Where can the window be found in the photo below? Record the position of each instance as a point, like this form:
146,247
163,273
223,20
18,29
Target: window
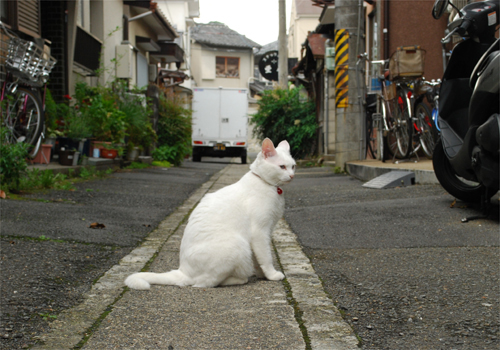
227,67
23,16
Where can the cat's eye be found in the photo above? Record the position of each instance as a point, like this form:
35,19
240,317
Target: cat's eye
293,167
282,166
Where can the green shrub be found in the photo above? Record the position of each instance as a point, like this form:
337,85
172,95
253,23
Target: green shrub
174,130
137,165
12,161
283,116
163,163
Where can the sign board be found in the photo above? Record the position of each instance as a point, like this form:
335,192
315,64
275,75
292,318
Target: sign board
268,65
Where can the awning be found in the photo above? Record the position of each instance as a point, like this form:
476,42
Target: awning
146,44
175,75
317,44
156,21
170,52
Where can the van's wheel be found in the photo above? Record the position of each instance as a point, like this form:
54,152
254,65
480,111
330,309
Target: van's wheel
196,156
458,187
244,157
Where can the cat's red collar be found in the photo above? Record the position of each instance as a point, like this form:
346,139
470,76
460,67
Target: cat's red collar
278,189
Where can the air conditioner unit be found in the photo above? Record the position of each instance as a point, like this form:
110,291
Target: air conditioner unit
124,61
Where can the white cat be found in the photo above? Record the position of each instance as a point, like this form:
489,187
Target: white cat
228,235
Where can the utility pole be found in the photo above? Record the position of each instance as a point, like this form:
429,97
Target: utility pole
349,110
282,49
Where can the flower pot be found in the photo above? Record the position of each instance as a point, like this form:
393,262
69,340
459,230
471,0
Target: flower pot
75,158
43,155
133,154
96,145
52,142
84,147
66,157
109,153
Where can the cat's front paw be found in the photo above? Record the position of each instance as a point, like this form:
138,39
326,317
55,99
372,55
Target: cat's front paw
275,276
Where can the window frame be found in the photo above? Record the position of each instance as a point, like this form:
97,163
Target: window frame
226,75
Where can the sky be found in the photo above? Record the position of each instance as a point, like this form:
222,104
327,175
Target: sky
258,20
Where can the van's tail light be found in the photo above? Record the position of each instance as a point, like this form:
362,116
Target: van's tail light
240,143
198,142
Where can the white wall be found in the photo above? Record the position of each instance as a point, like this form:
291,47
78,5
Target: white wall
113,35
203,67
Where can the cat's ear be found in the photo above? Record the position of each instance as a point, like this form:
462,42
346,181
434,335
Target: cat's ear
268,149
284,145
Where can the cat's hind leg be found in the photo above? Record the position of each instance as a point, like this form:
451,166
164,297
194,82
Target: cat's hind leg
258,270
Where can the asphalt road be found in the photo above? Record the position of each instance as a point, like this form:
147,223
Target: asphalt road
400,265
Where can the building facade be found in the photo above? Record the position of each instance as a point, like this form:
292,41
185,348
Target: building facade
220,56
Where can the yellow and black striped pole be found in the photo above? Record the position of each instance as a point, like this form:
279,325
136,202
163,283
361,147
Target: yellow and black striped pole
341,68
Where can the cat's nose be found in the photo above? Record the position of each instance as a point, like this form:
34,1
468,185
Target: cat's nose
291,177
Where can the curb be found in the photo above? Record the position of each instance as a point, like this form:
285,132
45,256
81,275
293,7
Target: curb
325,326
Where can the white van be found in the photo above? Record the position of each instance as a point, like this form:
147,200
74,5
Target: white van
220,117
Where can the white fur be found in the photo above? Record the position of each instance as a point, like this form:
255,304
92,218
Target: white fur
228,236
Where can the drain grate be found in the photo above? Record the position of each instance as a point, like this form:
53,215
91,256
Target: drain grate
392,179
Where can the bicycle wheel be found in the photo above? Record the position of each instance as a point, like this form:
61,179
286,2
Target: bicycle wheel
424,127
381,130
22,115
404,126
391,126
371,136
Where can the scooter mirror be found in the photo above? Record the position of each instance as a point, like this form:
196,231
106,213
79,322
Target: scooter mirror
438,9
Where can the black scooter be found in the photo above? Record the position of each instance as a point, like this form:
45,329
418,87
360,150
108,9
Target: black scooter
466,159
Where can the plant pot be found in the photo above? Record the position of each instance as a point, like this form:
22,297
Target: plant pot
84,147
75,158
52,142
96,144
66,157
133,154
109,153
43,155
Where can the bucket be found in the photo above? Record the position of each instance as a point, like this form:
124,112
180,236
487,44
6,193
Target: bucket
66,157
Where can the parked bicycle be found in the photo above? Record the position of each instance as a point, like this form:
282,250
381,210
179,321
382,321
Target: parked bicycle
392,125
22,95
425,95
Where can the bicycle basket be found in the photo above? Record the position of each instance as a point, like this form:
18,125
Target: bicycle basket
28,62
407,61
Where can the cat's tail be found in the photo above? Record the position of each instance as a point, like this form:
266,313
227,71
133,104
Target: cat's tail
143,280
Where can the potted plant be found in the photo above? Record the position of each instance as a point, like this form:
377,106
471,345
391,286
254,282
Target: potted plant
66,156
98,106
140,133
110,151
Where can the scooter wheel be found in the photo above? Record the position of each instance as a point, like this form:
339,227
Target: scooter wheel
455,185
